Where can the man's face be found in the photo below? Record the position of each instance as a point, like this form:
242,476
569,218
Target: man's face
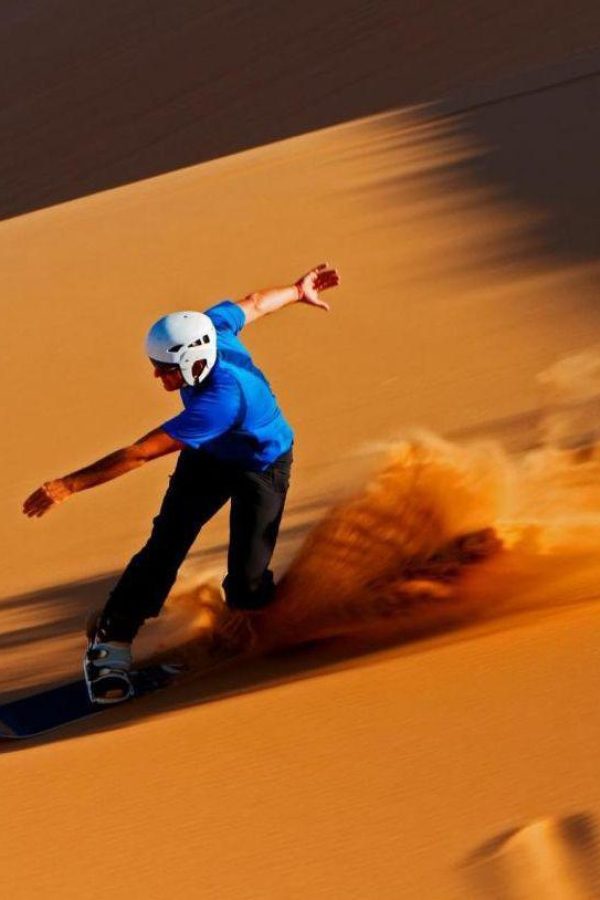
170,376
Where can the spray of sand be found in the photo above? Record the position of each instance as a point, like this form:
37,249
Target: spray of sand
443,534
396,547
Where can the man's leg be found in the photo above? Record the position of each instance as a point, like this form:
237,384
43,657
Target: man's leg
257,504
198,488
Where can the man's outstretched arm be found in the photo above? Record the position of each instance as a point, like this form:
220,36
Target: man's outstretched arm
305,290
151,446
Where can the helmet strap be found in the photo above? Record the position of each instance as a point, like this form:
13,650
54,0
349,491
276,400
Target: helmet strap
198,368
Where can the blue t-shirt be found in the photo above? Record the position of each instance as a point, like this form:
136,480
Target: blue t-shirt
233,413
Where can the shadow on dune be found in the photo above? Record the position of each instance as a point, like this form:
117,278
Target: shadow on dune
124,90
43,635
63,608
557,856
541,151
531,146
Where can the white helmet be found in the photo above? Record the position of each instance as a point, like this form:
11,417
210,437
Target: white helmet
182,339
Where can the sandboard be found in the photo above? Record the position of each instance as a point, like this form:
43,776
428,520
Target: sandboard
50,709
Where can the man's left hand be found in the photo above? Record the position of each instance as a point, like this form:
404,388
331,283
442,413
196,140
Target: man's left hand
321,278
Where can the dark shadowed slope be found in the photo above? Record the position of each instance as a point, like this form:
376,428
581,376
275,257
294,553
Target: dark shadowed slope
98,95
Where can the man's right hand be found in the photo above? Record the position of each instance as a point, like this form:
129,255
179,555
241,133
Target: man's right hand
48,495
153,445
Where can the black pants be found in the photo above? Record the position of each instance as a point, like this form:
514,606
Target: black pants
198,488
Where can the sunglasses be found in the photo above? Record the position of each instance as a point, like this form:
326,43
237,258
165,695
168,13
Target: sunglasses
164,367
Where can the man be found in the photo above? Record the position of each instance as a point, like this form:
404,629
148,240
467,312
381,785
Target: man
234,445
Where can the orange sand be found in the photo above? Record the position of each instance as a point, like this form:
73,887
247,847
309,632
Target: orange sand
464,234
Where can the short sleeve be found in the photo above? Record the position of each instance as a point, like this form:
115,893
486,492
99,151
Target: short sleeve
227,316
202,422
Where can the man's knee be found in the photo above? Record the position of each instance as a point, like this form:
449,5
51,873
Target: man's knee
248,594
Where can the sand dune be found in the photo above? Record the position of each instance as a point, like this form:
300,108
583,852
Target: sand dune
116,92
463,221
415,236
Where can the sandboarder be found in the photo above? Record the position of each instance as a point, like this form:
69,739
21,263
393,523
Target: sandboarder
234,444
